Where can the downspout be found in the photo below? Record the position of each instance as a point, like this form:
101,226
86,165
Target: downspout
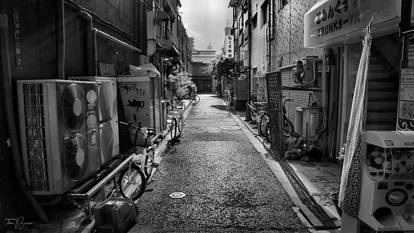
10,114
91,53
60,10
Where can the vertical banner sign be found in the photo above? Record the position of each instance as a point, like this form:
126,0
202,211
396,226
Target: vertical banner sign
229,52
405,118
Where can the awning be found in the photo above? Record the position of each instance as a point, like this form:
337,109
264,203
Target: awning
144,70
167,48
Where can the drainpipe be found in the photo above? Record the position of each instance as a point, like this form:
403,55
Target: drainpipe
91,54
10,114
60,10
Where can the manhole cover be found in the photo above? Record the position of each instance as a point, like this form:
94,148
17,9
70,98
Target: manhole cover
177,195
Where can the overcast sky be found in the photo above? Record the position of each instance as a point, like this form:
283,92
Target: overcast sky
205,20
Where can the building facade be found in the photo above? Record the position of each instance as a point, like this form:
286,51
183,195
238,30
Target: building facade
201,75
60,39
317,60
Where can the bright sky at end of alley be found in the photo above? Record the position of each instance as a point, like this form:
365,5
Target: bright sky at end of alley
205,20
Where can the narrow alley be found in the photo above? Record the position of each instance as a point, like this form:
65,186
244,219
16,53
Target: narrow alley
145,116
228,186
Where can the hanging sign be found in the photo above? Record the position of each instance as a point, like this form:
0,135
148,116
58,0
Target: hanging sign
229,46
333,21
405,118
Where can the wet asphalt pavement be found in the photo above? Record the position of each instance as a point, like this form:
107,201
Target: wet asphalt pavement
228,186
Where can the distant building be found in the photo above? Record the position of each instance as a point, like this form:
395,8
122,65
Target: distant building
191,43
201,64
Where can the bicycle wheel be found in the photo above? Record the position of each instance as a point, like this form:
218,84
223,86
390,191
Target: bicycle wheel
288,126
173,128
132,182
178,128
264,120
149,162
196,99
269,136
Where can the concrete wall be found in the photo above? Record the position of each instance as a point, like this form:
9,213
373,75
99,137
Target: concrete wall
33,47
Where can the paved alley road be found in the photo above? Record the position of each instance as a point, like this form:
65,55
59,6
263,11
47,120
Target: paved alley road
228,186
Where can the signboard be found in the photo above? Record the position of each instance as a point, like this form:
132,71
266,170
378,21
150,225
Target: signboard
333,21
229,47
405,118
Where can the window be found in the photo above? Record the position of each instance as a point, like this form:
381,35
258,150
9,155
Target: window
264,12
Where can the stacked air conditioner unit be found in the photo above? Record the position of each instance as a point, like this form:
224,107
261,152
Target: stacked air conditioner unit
59,133
108,116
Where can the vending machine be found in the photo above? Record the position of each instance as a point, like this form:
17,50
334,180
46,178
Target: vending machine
387,181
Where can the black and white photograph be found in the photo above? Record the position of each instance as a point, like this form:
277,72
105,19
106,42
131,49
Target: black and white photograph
206,116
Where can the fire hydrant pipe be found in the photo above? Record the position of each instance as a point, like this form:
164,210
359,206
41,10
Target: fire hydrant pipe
10,114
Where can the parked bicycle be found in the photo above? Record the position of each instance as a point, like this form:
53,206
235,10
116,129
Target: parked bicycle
194,97
227,98
265,127
288,128
287,124
176,123
134,178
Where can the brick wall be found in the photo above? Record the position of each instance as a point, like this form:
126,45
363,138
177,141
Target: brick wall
288,43
287,48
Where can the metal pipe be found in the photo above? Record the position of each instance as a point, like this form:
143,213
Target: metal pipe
98,186
60,10
89,43
92,44
98,19
116,40
10,115
94,55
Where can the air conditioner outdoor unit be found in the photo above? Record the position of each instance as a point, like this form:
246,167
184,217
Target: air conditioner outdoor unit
59,133
108,116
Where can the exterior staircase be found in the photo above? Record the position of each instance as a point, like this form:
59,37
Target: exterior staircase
383,79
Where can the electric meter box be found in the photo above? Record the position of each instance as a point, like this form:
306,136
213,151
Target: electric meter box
140,97
387,180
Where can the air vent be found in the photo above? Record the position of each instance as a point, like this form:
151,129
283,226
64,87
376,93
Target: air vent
36,136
